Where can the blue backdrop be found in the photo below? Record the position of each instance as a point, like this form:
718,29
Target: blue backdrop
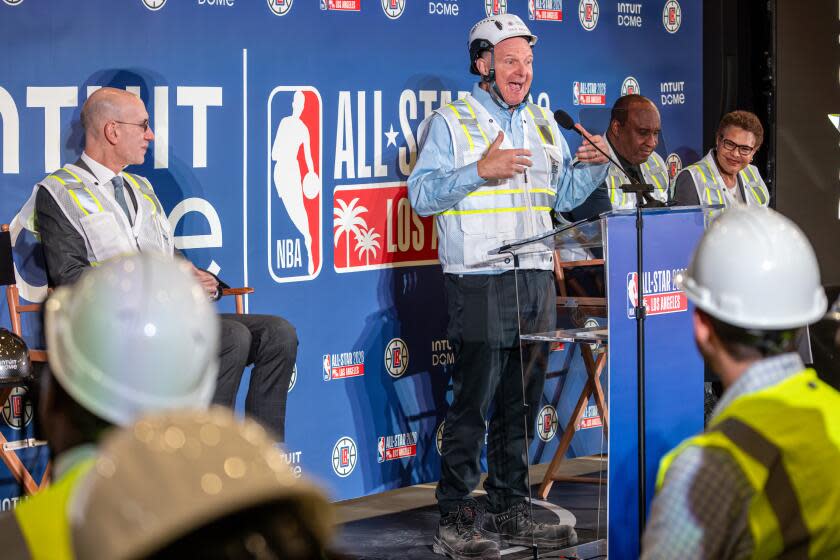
348,263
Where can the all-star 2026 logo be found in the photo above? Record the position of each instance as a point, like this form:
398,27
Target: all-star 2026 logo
397,446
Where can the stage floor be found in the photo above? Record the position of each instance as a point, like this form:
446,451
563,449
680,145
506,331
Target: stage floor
402,523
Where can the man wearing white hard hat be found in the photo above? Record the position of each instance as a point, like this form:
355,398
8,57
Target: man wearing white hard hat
491,168
761,481
132,336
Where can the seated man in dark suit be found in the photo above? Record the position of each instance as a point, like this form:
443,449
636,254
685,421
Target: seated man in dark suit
632,136
92,210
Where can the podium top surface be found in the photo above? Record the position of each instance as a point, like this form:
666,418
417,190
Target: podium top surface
583,234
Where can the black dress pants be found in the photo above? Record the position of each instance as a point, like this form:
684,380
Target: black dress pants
484,334
268,342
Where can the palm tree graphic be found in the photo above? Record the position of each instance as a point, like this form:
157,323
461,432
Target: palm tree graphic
366,242
347,221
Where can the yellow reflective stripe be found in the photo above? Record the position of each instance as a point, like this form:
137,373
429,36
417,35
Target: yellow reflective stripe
755,194
480,130
752,172
466,132
550,131
702,175
71,174
708,193
147,197
59,179
494,211
534,117
612,190
658,184
720,196
96,200
78,202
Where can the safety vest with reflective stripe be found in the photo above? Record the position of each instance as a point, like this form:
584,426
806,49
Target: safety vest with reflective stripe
43,519
710,186
654,173
101,222
786,441
501,210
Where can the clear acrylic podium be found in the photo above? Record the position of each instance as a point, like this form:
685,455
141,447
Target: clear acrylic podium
594,263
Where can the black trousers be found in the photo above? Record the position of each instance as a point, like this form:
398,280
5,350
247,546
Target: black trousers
484,334
268,342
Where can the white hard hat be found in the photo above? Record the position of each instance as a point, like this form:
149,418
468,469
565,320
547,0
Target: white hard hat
754,268
134,335
491,31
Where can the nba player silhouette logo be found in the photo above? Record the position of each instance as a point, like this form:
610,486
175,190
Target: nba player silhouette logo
295,188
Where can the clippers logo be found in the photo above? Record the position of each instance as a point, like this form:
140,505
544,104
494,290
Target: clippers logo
280,7
375,227
674,165
672,16
590,418
547,423
396,357
18,2
662,296
630,86
17,411
344,456
439,438
347,364
294,190
399,446
393,8
153,5
293,380
588,14
545,10
495,7
342,5
589,93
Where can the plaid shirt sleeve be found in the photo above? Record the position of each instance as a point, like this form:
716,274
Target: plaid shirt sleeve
701,510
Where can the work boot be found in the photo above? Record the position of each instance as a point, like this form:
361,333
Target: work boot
458,535
515,527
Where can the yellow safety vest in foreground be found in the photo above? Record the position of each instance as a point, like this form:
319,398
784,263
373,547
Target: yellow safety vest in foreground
43,517
786,440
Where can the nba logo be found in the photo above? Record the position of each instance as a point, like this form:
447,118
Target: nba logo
632,294
294,186
380,447
327,368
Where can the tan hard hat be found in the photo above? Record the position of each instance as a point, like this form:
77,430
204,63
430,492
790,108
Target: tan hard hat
173,473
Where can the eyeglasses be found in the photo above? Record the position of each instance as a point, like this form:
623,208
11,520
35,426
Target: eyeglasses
144,125
731,146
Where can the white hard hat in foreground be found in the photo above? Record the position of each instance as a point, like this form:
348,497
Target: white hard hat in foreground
754,268
134,335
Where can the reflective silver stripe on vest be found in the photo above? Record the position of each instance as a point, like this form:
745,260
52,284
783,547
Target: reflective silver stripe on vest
542,125
781,495
753,185
469,123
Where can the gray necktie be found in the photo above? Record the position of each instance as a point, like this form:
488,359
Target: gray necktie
119,194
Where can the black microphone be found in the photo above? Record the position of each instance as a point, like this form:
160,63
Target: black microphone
564,120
